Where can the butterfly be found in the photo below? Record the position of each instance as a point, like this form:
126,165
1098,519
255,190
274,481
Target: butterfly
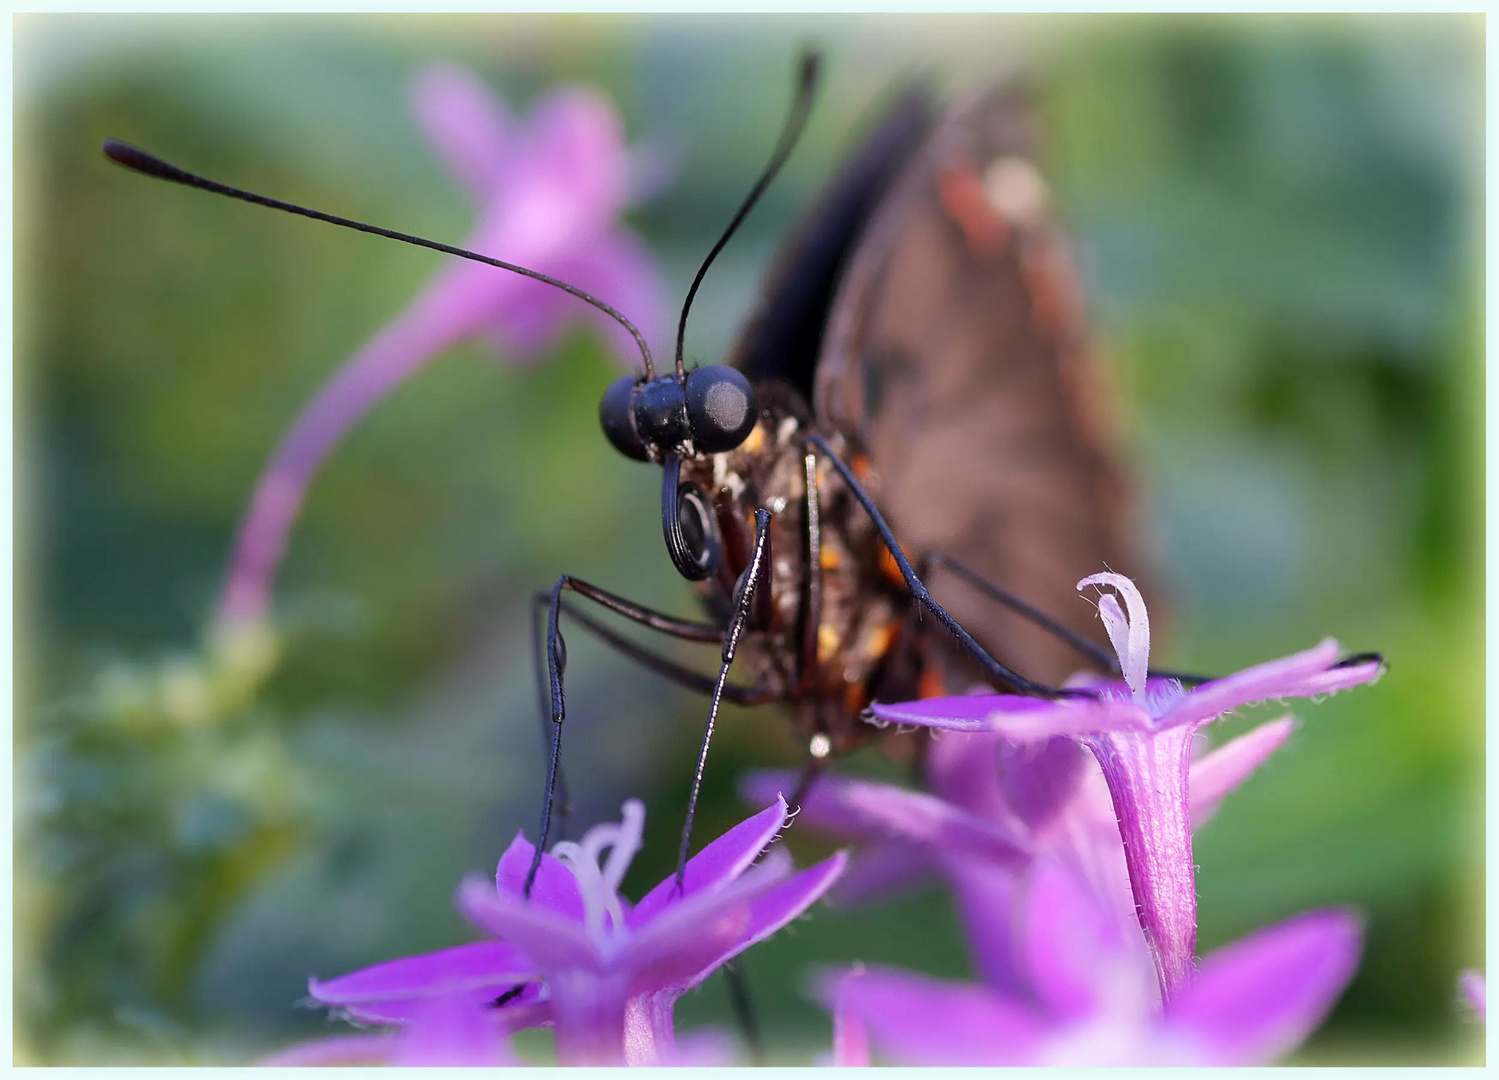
913,399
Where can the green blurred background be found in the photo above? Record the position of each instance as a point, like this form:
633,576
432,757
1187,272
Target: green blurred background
1278,224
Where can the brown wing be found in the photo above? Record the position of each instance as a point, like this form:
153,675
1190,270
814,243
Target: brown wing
783,338
955,357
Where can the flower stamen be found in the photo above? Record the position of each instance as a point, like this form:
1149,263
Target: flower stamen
599,885
1129,634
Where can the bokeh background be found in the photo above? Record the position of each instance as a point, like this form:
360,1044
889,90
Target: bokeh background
1278,225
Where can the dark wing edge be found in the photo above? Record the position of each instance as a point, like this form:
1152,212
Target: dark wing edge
783,338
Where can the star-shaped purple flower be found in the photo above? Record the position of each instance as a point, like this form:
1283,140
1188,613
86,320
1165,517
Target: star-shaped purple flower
993,808
1140,731
550,193
1089,995
604,973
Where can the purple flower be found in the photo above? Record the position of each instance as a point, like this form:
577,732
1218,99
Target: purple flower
605,973
549,194
994,807
1475,988
1140,731
1090,995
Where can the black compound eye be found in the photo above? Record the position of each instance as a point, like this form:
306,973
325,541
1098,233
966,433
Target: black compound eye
617,418
721,408
690,525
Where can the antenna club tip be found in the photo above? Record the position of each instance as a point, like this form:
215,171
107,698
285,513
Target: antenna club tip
117,150
133,157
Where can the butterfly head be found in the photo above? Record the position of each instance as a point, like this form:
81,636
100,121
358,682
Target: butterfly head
711,411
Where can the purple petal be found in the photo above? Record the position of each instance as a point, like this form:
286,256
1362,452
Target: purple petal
866,808
1298,675
1476,989
1039,779
549,939
526,1010
451,1031
470,127
699,1049
984,895
964,712
1215,774
916,1020
688,936
1256,999
574,144
434,974
1072,947
775,908
961,769
1019,719
720,862
555,887
1147,779
336,1050
882,870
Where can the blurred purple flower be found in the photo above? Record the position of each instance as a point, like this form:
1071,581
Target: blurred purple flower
850,1037
453,1030
1476,990
1090,995
1140,731
994,807
604,973
549,193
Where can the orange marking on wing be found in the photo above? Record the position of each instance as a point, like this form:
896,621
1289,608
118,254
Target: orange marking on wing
858,464
829,559
961,193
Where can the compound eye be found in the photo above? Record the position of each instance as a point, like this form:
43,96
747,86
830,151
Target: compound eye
617,418
690,524
721,408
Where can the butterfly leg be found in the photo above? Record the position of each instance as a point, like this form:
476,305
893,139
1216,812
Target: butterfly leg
996,671
756,576
744,1008
555,651
538,652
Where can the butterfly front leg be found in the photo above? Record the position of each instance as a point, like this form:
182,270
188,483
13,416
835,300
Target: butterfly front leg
553,648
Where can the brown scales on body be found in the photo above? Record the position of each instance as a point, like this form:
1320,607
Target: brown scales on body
861,608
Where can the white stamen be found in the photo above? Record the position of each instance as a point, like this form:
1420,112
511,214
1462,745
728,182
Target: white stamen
622,853
599,886
1129,634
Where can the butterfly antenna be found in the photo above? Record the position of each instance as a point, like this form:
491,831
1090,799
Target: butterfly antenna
132,157
800,107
